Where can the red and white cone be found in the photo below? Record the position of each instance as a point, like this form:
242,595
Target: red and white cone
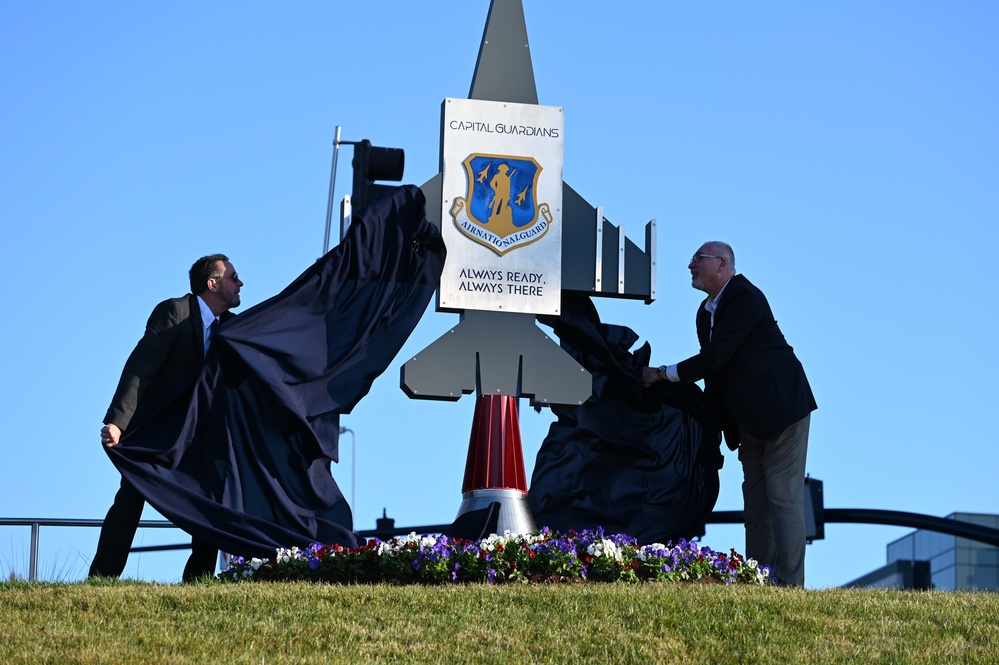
494,470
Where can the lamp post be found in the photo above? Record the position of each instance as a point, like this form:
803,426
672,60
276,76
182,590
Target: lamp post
353,466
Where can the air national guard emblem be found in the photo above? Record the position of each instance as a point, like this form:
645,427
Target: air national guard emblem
500,209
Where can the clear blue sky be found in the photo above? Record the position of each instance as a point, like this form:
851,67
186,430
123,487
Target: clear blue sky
849,152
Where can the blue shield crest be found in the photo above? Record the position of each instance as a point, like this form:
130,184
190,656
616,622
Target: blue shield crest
501,192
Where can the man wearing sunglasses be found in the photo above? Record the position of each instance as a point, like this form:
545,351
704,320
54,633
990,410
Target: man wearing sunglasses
762,398
169,354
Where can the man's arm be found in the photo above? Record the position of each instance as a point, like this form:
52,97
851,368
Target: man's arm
735,321
149,355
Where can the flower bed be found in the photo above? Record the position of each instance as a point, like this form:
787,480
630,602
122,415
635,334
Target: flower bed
546,556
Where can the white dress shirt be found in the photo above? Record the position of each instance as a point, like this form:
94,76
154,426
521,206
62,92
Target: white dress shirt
711,305
207,318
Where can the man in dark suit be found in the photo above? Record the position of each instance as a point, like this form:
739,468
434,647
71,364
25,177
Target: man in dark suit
170,353
758,388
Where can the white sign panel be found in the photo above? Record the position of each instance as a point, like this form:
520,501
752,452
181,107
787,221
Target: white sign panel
502,207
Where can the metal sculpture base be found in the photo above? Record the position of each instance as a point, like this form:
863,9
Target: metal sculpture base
494,470
514,514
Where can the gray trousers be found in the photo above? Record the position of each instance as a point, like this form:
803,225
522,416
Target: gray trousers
773,493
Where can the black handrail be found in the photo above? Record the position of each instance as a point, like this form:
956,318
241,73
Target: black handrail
977,532
953,527
36,525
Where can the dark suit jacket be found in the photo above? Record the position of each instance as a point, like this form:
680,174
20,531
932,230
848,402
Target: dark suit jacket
169,354
750,372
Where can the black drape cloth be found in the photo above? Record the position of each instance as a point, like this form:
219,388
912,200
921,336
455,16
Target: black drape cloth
634,460
241,457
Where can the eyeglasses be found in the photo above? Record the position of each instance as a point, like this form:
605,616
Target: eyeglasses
697,257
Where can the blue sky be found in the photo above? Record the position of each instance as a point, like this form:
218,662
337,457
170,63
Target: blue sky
848,151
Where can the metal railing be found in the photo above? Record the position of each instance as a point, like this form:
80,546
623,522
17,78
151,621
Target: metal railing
387,529
951,527
37,524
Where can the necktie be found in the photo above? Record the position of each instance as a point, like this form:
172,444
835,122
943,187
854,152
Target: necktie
212,330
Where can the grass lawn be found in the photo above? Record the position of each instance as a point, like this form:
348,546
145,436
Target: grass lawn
256,622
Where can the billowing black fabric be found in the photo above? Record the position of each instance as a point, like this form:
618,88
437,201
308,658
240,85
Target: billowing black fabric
634,460
241,457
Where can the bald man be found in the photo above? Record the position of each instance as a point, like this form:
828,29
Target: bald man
764,402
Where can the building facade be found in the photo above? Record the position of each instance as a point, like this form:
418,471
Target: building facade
930,560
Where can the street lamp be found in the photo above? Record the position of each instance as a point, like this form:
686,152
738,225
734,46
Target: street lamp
353,466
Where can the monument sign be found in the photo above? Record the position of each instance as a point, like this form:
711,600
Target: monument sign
501,207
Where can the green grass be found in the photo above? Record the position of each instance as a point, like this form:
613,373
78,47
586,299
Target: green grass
134,622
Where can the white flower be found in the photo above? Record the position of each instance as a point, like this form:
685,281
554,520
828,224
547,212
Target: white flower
286,555
528,539
643,551
489,544
605,548
256,563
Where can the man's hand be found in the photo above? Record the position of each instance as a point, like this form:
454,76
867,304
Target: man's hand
650,375
110,434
